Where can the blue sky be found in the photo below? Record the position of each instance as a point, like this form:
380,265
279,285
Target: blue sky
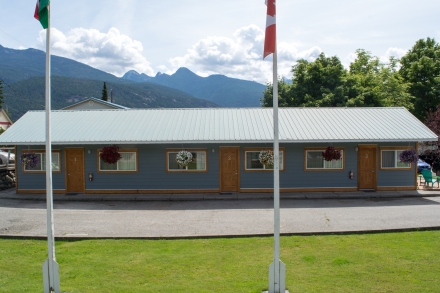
224,37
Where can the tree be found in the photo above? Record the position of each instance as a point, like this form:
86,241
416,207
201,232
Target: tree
283,94
364,80
104,93
319,83
431,152
421,69
393,91
1,93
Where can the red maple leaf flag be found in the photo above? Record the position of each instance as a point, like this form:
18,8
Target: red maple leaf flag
271,32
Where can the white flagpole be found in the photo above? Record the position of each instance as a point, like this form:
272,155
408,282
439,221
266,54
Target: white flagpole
277,269
276,175
51,278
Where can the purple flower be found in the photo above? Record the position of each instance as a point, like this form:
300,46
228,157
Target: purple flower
408,156
29,159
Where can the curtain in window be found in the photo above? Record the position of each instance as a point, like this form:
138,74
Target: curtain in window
107,167
388,159
200,160
127,162
334,164
314,159
55,162
252,161
172,164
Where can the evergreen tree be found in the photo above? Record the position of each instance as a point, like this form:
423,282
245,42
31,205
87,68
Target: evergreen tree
104,93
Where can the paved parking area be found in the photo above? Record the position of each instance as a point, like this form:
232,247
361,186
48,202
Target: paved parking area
142,216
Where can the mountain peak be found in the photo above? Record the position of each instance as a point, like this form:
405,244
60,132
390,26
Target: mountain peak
184,71
133,75
133,72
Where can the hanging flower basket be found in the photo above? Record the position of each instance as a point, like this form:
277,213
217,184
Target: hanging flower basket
183,158
29,159
110,154
266,158
331,154
408,156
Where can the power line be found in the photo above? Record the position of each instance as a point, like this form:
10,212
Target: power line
14,38
14,90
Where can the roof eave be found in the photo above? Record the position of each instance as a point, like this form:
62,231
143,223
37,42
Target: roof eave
221,141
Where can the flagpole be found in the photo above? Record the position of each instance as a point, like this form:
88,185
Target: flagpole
276,173
50,267
277,269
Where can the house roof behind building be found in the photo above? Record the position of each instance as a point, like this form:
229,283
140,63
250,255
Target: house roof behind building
218,125
93,104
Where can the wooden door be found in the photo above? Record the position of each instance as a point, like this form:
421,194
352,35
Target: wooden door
229,169
367,167
74,170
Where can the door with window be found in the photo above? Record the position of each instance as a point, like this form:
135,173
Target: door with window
229,169
74,170
367,167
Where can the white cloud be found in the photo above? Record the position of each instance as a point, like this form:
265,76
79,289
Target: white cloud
395,52
112,52
240,56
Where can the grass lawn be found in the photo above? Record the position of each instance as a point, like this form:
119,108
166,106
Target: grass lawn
388,262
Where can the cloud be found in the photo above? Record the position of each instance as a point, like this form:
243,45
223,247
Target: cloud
395,52
240,56
392,51
112,52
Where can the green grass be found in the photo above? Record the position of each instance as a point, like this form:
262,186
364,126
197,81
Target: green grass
388,262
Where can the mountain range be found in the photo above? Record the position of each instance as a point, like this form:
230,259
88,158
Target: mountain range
23,71
222,90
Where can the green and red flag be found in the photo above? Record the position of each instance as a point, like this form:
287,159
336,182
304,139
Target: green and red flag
42,13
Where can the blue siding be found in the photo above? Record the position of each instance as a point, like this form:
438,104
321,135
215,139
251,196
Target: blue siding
386,178
38,181
152,172
294,175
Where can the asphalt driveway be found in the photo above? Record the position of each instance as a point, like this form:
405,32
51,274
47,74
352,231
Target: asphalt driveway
205,218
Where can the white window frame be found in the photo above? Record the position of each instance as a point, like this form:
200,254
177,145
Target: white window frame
43,162
181,169
396,166
324,168
258,150
135,152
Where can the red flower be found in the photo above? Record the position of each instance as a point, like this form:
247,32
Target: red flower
110,154
331,154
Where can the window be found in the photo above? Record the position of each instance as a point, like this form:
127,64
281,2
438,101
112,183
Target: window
127,163
252,161
315,161
41,166
390,158
199,162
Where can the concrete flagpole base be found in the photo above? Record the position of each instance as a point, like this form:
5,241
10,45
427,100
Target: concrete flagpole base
51,285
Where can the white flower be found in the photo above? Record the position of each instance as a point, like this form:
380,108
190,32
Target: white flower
266,158
183,158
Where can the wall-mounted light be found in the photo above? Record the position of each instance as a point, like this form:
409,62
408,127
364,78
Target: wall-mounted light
90,176
88,151
213,150
356,148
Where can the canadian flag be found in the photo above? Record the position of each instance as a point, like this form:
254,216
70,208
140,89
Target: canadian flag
271,32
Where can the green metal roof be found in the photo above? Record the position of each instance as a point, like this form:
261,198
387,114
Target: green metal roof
218,125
